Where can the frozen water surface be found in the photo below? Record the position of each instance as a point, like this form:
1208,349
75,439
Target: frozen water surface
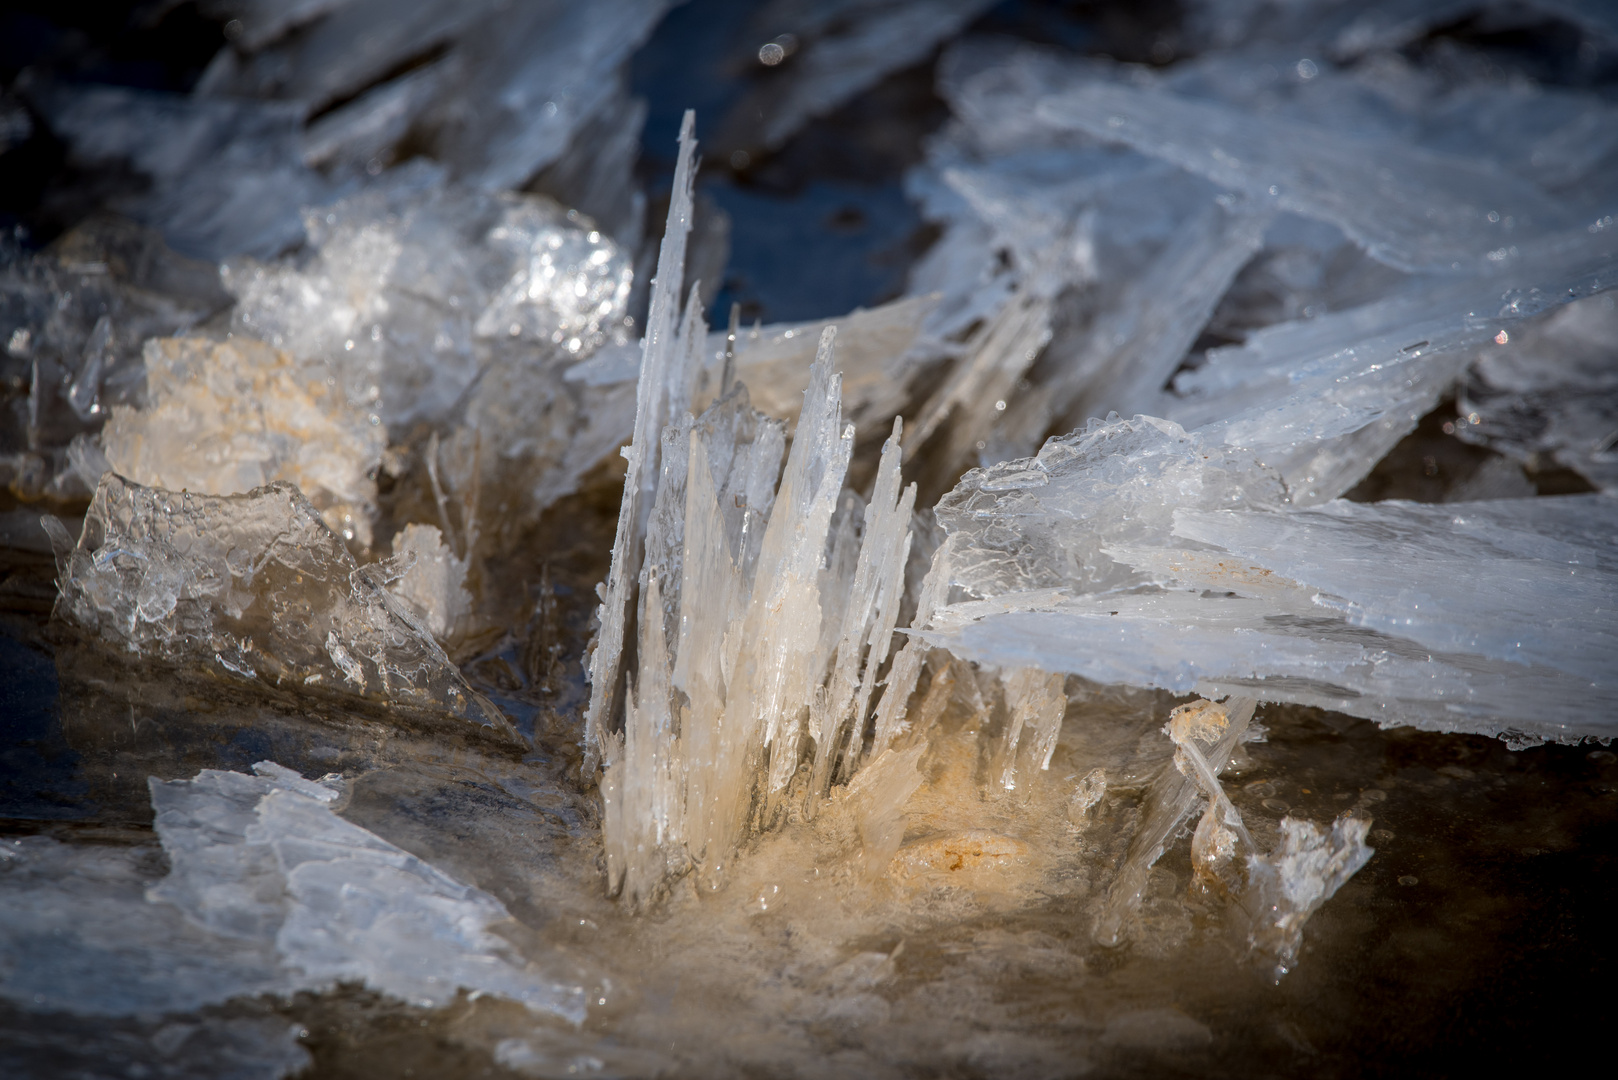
1128,589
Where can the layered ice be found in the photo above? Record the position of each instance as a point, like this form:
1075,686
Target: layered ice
268,892
252,587
1137,552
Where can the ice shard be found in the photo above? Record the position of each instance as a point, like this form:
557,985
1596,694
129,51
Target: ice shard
1411,207
268,892
658,374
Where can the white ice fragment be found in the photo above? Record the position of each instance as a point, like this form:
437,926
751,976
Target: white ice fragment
414,288
1289,884
223,418
432,580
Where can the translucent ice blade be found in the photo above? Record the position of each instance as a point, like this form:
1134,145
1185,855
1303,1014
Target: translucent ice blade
1409,207
640,481
1529,580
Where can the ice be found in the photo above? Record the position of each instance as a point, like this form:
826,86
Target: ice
268,892
1290,883
762,613
254,587
661,379
226,176
1136,552
73,318
79,936
1170,799
352,45
1412,208
877,350
432,580
494,92
223,418
1111,265
1323,399
338,902
1550,391
414,287
526,80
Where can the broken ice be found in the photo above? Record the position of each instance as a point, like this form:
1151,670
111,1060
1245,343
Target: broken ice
254,587
268,892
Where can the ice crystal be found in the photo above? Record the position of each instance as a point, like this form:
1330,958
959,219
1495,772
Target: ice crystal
762,613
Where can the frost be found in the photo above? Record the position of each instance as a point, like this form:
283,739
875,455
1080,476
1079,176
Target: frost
253,587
